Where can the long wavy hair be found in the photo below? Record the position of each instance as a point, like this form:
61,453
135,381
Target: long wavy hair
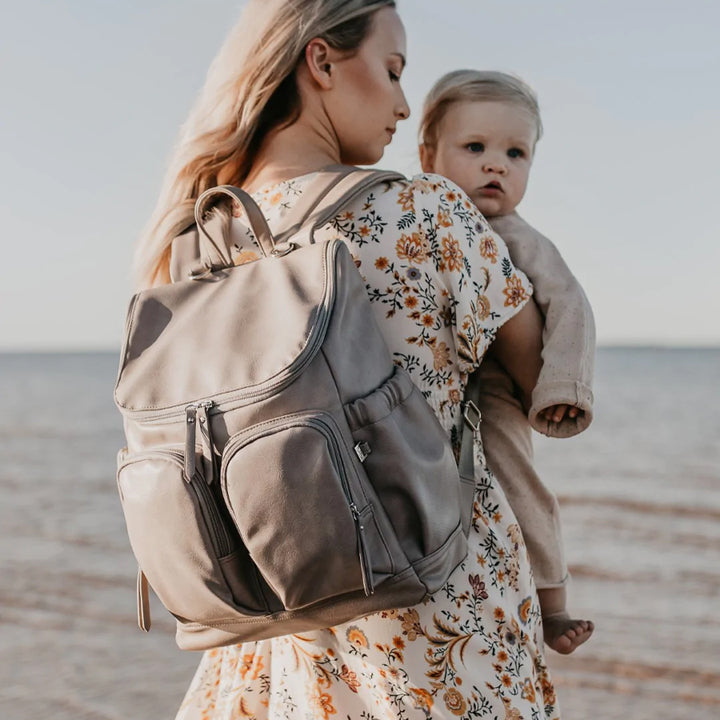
249,90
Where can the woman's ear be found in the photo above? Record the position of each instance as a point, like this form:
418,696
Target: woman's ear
318,57
427,158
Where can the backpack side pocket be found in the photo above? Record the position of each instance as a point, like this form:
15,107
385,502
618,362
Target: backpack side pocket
409,462
183,543
288,485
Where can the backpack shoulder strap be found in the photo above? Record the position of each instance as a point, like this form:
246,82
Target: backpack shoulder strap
332,189
346,189
313,194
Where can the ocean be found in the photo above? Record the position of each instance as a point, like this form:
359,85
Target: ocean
640,502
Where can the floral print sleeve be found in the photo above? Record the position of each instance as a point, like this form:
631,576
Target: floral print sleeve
452,245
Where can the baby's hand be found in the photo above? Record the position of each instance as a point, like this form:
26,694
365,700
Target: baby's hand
557,413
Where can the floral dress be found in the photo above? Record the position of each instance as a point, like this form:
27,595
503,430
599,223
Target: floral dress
441,284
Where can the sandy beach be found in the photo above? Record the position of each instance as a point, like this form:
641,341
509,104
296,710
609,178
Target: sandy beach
640,499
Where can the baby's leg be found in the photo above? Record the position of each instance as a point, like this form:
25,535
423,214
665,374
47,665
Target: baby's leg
507,442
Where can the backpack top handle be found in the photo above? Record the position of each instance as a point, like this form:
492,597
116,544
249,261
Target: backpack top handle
208,247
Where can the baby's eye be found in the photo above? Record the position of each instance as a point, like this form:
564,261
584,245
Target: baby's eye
515,153
475,147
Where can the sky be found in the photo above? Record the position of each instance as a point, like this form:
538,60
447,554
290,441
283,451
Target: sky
625,180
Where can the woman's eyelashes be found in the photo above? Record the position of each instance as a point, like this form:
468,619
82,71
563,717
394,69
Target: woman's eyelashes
394,76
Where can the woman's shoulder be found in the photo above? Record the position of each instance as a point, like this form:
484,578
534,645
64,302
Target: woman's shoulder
410,198
428,184
429,188
429,200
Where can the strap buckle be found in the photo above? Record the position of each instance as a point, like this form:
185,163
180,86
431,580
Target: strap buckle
277,252
472,415
201,273
362,450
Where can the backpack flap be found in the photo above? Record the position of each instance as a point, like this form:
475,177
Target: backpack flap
188,335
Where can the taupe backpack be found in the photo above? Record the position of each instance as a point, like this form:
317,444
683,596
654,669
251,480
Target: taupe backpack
281,474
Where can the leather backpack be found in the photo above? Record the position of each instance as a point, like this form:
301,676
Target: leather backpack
281,474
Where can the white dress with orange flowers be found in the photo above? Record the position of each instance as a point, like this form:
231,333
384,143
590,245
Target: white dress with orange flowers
441,283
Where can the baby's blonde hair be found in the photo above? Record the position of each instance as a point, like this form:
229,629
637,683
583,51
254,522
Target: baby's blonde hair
480,85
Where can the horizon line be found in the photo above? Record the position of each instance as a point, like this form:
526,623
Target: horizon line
611,345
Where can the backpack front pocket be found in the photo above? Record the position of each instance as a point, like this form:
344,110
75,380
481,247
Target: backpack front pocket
183,540
291,490
409,462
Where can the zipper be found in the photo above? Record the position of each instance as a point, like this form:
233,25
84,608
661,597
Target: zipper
219,535
363,557
199,413
265,390
365,570
221,538
326,428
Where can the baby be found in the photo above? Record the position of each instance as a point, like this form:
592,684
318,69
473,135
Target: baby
479,129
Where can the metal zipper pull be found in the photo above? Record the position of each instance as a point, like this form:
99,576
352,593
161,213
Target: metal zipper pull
198,413
190,430
365,569
207,440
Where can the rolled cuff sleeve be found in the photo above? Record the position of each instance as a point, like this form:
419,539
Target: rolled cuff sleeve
561,393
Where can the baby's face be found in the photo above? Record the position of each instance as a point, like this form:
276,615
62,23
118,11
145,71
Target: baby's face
486,148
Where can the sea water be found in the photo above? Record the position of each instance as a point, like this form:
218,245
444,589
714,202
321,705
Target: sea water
640,503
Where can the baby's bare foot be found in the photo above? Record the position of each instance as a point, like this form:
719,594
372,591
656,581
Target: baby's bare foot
563,634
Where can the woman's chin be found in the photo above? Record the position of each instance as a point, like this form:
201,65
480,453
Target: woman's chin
368,156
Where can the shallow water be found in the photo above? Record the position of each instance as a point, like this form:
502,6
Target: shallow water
640,500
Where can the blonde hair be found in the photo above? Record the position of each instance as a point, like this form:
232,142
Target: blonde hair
480,85
250,89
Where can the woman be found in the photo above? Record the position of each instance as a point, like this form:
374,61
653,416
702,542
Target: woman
300,85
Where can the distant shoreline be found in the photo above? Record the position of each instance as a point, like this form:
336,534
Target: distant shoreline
609,347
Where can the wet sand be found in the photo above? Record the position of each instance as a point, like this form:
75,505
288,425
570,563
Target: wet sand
71,649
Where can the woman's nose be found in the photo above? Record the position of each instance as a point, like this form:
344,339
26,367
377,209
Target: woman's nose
403,109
